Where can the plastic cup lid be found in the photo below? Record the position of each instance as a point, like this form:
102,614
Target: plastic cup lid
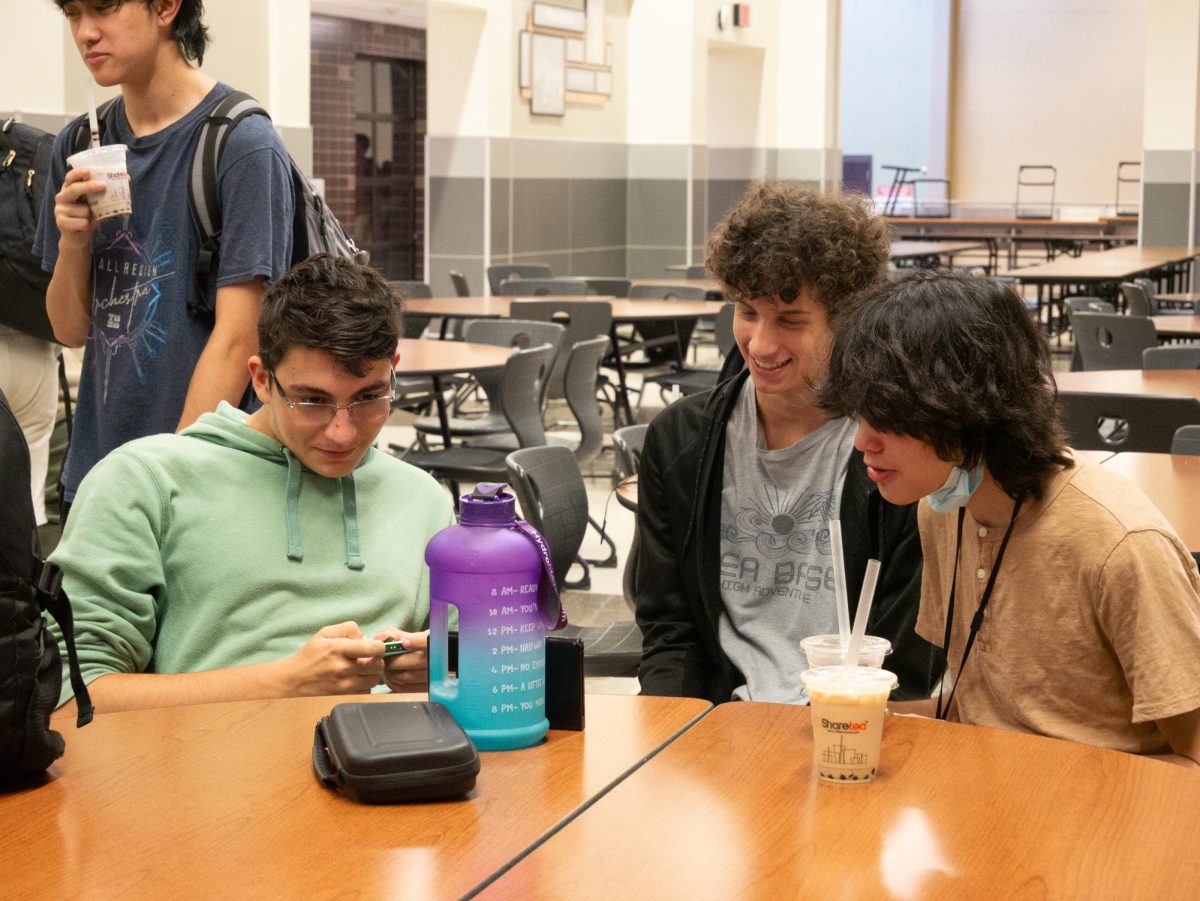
856,680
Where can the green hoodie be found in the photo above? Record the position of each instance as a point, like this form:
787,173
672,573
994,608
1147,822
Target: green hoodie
216,548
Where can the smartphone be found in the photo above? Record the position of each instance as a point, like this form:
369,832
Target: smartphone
395,649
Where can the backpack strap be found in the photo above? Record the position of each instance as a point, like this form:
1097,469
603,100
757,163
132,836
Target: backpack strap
204,191
52,598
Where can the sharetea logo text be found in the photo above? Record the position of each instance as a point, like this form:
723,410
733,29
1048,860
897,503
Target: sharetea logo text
834,726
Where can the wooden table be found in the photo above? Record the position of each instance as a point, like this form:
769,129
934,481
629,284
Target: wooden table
732,809
1185,327
929,253
1058,235
1159,382
623,311
1183,298
1100,273
422,357
220,801
1172,482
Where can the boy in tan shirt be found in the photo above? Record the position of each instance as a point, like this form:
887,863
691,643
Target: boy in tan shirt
1074,608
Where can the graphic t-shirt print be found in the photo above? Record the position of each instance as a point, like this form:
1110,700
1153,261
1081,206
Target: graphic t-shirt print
129,279
781,544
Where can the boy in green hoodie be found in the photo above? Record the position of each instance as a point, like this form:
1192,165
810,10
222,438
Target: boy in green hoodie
250,556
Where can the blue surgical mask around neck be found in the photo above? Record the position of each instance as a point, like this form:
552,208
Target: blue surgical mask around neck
959,487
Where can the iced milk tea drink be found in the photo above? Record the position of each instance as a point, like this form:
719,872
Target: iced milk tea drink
847,719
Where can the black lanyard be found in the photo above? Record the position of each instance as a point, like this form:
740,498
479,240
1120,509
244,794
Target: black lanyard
977,620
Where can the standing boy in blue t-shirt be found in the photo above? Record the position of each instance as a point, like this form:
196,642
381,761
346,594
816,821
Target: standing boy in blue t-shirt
121,287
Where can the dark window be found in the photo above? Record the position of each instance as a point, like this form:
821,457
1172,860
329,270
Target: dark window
385,164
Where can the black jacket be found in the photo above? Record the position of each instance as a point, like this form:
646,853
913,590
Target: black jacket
677,583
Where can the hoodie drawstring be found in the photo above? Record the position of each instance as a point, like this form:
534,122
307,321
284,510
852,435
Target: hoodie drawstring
354,558
291,513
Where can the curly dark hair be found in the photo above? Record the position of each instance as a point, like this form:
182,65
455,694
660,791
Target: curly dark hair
781,238
188,29
333,304
955,361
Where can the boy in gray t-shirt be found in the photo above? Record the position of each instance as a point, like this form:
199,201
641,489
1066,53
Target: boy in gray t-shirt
736,486
776,562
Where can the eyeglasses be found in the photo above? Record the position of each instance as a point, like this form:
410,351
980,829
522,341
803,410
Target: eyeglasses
362,412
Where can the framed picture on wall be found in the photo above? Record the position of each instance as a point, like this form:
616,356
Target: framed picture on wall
548,55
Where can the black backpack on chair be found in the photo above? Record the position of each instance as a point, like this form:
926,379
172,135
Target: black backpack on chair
30,667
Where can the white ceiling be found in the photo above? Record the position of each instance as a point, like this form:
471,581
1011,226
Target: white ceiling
391,12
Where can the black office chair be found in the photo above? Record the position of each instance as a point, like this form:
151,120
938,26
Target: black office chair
1125,422
662,339
1186,440
550,489
1174,356
498,273
541,287
1110,340
520,396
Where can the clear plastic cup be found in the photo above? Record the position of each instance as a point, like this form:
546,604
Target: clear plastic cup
847,718
826,650
107,164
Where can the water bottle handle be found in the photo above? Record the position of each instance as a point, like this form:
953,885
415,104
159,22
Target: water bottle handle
549,604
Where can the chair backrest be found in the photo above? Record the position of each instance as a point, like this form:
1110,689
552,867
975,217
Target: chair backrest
413,326
1186,440
667,292
579,386
553,498
1125,422
1137,302
1173,356
461,288
696,272
1112,341
1151,290
584,320
523,407
412,290
607,287
498,273
1081,304
723,329
627,443
540,287
510,333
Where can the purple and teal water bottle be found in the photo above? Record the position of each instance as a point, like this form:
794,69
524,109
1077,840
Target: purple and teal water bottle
488,568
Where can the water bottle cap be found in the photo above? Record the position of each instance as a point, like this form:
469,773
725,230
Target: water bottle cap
488,505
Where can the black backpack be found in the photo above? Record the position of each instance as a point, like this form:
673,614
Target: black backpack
24,167
30,667
314,227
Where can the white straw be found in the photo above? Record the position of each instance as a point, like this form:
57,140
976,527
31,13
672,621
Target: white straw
839,582
93,122
865,598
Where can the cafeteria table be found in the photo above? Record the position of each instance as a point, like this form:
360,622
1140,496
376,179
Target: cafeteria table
1158,382
1172,482
220,801
623,311
1185,328
733,809
424,357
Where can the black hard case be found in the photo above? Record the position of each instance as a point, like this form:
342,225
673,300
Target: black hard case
393,752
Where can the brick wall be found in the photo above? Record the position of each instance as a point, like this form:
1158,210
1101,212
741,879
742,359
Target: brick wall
335,45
